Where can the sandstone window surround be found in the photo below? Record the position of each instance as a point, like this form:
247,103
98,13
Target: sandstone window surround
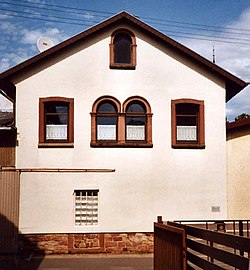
188,123
122,50
56,122
133,126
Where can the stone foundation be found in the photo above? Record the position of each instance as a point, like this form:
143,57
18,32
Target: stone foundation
115,243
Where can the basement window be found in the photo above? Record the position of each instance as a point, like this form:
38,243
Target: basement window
86,207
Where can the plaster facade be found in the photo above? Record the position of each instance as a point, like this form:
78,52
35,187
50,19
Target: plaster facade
174,183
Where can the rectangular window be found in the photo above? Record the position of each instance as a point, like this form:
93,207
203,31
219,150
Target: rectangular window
86,207
56,122
188,123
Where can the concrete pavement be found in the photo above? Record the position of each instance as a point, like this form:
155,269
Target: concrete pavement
82,262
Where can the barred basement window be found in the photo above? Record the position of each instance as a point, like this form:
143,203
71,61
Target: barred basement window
86,207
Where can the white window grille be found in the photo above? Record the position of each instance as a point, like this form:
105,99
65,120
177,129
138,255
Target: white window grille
135,133
86,207
56,132
106,132
186,133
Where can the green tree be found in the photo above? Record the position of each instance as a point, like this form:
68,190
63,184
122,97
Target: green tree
242,116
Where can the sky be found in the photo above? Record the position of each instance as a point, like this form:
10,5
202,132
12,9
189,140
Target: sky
200,25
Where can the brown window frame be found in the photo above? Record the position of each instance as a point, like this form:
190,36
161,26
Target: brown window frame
42,124
200,142
95,142
147,142
132,63
121,124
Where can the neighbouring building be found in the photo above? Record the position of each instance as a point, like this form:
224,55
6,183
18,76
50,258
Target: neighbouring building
238,169
115,126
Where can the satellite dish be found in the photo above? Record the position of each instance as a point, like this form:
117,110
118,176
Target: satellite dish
44,43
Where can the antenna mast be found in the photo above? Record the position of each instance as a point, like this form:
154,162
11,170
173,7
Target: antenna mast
213,55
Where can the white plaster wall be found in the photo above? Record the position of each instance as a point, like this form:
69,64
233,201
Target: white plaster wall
238,175
174,183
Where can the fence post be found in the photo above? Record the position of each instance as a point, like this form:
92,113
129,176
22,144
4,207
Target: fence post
241,233
159,219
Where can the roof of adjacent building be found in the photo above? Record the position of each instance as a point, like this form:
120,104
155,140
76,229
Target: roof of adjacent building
243,123
233,84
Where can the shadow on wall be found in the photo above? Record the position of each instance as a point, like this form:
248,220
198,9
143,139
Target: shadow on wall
12,254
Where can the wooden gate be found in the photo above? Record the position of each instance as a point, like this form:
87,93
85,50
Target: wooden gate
9,211
170,247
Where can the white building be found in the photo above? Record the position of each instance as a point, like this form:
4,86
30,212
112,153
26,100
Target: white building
115,126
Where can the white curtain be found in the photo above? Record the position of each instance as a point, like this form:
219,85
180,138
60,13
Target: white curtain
186,133
56,132
136,133
106,132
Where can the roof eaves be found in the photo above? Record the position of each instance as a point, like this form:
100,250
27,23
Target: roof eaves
232,79
239,123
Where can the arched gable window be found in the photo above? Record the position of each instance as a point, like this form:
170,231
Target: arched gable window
104,118
123,50
138,120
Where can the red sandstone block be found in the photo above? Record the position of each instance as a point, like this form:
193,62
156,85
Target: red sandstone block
111,244
121,244
117,238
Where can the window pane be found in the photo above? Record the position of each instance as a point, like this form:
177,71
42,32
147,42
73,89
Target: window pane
106,120
56,121
135,128
136,108
54,107
135,121
187,108
186,122
106,107
122,49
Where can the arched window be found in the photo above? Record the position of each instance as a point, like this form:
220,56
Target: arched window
135,121
123,49
138,121
104,121
188,123
113,127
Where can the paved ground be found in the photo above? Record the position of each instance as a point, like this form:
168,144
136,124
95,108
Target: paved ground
81,262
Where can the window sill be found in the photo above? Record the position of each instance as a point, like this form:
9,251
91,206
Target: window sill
122,66
122,144
56,145
188,146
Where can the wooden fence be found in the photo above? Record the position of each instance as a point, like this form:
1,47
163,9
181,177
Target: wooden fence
9,211
180,246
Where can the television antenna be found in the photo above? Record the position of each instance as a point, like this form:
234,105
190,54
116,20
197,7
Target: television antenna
44,43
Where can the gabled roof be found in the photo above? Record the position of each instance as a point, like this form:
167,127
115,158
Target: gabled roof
233,84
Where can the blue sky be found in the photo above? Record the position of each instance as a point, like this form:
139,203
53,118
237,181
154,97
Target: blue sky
199,25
